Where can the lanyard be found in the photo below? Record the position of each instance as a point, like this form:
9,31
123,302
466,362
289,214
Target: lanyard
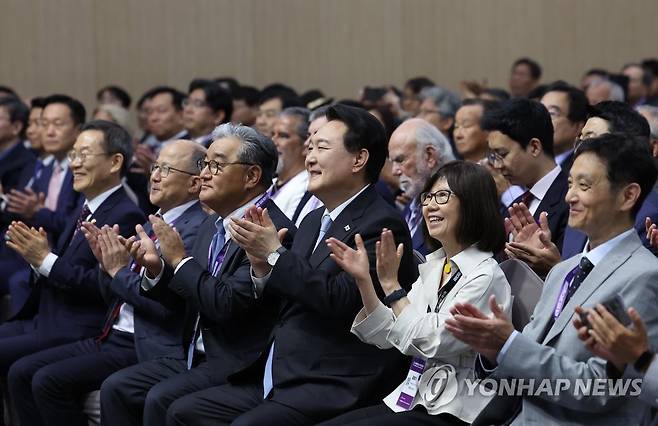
561,300
445,289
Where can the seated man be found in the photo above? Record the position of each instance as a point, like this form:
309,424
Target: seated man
521,144
604,196
207,105
213,283
46,387
289,186
314,368
70,306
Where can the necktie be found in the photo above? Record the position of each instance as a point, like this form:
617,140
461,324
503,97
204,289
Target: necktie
215,259
110,320
84,214
324,227
414,217
525,198
583,269
54,187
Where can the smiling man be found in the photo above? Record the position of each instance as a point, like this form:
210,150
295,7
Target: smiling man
604,197
70,306
521,145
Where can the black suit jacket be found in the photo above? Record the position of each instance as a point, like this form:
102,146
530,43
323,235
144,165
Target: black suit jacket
319,367
556,207
236,325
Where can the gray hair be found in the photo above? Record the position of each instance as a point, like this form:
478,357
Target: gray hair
318,112
426,135
446,101
651,116
302,115
616,92
256,148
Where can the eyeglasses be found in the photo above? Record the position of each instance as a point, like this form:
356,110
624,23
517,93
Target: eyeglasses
196,103
217,168
82,156
441,197
164,170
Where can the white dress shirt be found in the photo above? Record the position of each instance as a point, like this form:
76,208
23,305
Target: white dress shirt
541,187
287,197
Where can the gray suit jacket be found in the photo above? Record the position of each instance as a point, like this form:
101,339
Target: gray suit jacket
628,269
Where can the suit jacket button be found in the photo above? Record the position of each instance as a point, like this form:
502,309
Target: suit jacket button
397,341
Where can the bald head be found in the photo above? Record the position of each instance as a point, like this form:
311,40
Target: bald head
175,179
417,149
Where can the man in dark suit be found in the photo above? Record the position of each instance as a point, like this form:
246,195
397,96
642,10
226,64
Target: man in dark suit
521,144
567,106
227,328
48,385
314,368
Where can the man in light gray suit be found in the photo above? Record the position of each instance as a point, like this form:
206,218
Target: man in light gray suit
608,182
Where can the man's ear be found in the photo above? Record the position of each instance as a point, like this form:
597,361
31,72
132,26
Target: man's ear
195,185
628,196
429,155
360,160
535,147
219,117
252,177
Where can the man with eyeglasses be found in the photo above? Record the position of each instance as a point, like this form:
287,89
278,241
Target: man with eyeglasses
273,100
207,105
49,384
521,148
51,199
228,326
65,299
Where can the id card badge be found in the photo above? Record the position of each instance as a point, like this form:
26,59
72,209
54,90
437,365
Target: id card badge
410,385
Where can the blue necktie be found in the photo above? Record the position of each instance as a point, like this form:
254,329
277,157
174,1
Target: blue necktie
217,244
324,228
414,217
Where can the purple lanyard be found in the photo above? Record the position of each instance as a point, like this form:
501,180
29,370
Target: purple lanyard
561,300
219,258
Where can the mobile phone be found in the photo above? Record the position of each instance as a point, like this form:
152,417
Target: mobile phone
615,305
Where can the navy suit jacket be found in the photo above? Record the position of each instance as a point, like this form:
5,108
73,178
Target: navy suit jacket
17,159
70,304
236,325
318,366
158,329
574,240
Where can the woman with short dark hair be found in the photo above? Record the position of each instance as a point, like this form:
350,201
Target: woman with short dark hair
460,210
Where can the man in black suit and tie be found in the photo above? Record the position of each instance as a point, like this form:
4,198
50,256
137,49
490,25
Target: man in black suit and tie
227,328
521,144
47,386
314,368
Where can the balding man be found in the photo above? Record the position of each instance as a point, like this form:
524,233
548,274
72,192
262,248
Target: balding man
417,149
49,384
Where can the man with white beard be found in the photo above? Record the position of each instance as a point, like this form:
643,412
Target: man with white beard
290,132
417,149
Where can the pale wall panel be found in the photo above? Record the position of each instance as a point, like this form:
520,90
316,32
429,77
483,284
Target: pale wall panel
76,46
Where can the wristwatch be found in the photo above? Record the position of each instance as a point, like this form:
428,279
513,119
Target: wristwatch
274,256
643,362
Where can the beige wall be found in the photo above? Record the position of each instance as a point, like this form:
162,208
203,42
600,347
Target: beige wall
76,46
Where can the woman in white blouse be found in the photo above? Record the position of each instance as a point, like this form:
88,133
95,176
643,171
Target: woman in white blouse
460,210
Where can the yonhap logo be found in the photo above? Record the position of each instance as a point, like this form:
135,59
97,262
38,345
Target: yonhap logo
439,381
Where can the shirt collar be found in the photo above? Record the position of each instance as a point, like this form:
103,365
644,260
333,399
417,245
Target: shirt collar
177,136
466,260
239,212
95,202
172,215
597,254
338,210
64,163
540,188
47,160
559,159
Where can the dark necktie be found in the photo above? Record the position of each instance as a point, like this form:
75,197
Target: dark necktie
110,319
582,270
525,198
84,214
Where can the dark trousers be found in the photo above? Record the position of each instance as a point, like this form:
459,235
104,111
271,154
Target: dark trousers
384,416
141,394
235,405
47,387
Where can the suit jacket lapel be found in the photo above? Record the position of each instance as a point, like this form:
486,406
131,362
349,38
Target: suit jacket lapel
305,240
204,238
596,277
554,196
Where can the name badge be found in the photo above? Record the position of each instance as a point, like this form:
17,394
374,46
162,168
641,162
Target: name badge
410,385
